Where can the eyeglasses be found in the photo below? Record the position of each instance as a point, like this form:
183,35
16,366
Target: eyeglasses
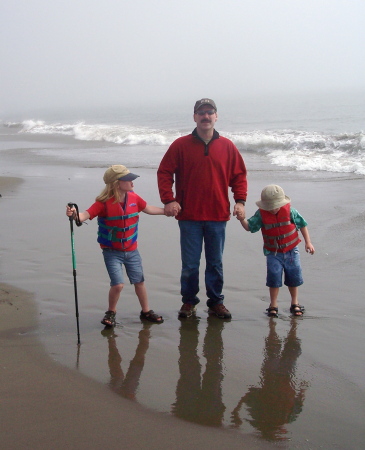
210,112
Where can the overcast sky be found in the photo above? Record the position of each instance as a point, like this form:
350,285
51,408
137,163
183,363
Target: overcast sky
57,53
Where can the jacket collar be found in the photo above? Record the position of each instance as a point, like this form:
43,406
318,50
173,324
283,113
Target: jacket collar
196,135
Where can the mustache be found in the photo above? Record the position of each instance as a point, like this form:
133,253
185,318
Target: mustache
206,121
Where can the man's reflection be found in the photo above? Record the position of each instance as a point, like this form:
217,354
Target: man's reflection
127,385
200,399
278,400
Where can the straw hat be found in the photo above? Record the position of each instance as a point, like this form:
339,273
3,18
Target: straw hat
118,172
272,197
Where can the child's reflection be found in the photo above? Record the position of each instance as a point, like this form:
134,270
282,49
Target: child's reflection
127,385
279,399
200,399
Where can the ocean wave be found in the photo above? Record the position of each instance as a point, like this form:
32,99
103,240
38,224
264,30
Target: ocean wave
116,134
8,124
307,150
124,134
300,150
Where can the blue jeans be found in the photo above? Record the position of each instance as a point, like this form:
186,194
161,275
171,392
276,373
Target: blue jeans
192,235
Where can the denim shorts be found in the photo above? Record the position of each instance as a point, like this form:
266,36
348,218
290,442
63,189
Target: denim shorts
114,260
289,263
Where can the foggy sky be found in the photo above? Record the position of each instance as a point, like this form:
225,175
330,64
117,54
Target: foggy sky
116,52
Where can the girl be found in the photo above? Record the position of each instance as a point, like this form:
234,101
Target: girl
117,208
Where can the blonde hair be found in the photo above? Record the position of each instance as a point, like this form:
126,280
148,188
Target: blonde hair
110,190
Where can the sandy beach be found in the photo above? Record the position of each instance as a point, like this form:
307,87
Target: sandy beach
251,382
45,405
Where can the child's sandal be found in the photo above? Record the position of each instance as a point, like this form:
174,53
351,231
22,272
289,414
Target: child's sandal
109,319
151,316
297,310
272,311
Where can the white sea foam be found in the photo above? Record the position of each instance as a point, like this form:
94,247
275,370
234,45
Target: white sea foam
306,150
300,150
124,134
116,134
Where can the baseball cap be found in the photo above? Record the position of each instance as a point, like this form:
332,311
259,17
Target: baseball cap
118,172
204,101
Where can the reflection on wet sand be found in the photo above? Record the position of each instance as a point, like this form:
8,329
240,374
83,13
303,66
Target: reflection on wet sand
279,398
127,385
199,399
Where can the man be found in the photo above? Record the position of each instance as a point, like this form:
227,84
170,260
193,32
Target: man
203,166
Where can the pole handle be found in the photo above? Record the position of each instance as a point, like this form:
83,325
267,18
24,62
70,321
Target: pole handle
77,218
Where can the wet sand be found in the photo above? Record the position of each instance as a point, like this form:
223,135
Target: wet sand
45,405
246,383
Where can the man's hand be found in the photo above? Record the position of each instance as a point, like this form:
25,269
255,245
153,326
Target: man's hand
172,209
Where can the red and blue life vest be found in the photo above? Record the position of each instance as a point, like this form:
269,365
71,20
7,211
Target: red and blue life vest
119,229
279,232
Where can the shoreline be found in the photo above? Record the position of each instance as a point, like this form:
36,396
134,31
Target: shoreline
47,405
48,388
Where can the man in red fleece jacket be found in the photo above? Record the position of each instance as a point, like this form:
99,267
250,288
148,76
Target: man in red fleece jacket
203,165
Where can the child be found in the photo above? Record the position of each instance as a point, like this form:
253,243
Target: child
117,208
279,224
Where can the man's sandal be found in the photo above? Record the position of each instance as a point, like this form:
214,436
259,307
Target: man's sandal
297,310
272,311
151,316
109,319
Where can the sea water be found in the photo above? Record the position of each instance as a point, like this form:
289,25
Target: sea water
313,132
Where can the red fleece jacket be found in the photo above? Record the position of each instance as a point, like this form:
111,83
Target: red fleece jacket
202,175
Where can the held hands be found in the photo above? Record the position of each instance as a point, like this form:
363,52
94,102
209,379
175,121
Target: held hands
172,209
239,211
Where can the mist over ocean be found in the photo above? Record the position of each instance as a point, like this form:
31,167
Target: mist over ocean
315,132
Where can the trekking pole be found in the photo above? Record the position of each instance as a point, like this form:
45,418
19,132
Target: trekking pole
78,223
